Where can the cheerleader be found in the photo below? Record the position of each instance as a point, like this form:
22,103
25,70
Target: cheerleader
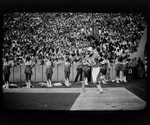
28,71
96,69
67,71
6,71
49,72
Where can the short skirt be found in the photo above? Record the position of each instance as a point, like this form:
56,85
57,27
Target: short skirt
28,70
6,70
49,71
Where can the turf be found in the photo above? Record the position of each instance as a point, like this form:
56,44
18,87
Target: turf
39,101
62,101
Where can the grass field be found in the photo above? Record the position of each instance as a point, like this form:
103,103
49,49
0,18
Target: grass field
61,101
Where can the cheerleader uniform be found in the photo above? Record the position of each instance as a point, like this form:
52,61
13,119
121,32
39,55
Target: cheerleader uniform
49,73
67,73
6,72
49,70
28,71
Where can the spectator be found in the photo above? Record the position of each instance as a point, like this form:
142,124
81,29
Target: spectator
79,70
140,67
135,68
57,34
130,71
145,66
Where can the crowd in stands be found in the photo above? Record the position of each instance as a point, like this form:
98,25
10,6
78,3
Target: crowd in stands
137,68
57,35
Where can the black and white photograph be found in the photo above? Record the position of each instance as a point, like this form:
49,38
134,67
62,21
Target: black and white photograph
66,61
74,61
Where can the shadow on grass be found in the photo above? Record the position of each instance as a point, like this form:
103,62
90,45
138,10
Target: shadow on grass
39,101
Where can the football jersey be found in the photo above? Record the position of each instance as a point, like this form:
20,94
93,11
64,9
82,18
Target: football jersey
94,59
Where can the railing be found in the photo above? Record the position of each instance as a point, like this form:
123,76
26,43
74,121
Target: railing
18,75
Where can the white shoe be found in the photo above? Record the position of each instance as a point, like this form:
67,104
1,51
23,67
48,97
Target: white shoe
121,80
7,87
113,80
66,84
86,84
100,92
117,82
125,80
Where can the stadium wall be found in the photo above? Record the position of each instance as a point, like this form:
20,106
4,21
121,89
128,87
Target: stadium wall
18,75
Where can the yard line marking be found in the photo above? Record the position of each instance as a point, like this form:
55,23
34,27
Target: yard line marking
111,99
